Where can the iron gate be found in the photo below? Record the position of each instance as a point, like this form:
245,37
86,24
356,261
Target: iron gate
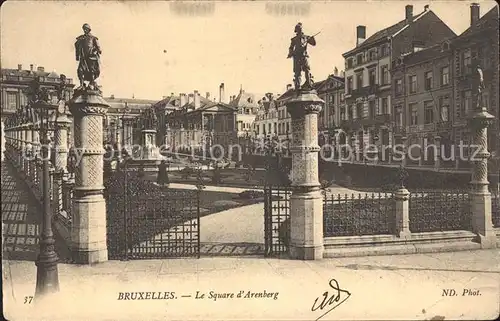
147,221
276,220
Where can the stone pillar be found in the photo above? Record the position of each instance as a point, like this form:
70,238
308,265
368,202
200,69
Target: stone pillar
306,203
402,197
27,151
61,159
437,156
480,196
88,232
119,135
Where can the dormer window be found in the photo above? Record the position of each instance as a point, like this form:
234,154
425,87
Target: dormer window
445,46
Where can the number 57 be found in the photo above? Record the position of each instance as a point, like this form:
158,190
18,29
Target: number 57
28,299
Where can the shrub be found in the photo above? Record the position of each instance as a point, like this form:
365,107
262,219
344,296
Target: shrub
251,194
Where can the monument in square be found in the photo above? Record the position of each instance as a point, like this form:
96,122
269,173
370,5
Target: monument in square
480,196
88,232
306,203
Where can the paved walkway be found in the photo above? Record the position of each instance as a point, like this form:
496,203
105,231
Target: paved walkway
380,288
21,219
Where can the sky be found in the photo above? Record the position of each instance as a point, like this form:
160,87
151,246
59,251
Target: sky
153,48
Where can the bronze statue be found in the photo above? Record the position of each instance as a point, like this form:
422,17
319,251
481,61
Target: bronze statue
88,53
298,50
478,85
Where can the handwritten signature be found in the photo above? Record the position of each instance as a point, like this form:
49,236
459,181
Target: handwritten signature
329,300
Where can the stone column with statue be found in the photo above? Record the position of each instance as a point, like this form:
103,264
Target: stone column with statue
480,196
306,203
88,232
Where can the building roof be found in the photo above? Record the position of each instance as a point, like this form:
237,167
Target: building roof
489,20
386,33
244,99
435,51
29,73
131,101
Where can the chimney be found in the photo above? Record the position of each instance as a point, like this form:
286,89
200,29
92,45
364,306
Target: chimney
31,67
360,34
19,67
183,99
474,13
342,74
112,96
288,87
207,95
171,94
196,99
335,71
409,13
221,93
40,69
190,98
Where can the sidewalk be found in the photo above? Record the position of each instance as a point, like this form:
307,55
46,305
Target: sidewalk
383,287
21,219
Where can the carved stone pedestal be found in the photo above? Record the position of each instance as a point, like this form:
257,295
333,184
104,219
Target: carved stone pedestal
306,203
88,232
480,196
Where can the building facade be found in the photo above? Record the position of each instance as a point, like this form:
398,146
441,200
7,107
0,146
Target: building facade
199,125
247,107
369,113
423,98
477,45
119,124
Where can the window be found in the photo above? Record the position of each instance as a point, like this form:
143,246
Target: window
11,101
466,62
371,108
359,59
399,117
349,85
371,77
359,80
372,55
428,112
466,102
413,84
349,63
359,110
384,71
428,80
384,50
399,86
414,114
342,113
385,106
445,76
351,112
342,96
444,108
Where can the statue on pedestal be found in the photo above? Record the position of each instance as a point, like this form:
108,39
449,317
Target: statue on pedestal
88,53
298,51
477,86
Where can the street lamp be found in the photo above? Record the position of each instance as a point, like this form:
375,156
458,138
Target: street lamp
47,279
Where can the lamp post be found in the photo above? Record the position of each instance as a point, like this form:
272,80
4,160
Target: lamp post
47,279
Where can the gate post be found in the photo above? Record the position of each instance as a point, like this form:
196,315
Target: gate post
306,203
88,232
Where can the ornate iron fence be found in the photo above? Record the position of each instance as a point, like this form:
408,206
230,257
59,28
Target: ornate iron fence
146,221
433,211
350,215
276,219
